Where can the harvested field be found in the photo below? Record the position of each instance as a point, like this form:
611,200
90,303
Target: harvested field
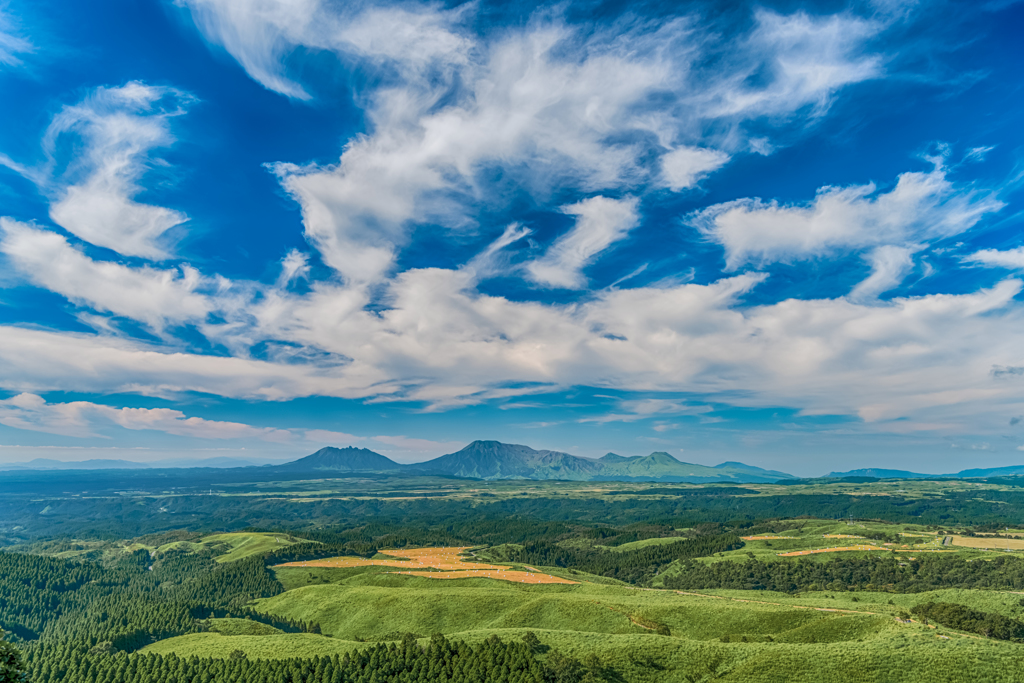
768,538
425,558
848,548
503,575
840,536
448,560
988,543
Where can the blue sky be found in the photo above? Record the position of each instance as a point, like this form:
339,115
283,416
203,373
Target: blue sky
782,233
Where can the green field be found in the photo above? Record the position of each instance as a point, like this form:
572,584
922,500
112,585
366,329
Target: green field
731,635
283,646
633,545
239,546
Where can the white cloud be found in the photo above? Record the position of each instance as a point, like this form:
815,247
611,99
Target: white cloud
993,258
551,109
927,359
145,294
258,33
642,409
39,361
921,207
11,44
109,136
600,222
889,265
684,166
119,127
809,58
550,105
82,418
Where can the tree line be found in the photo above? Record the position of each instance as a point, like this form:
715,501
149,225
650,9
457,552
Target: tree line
439,661
882,572
636,566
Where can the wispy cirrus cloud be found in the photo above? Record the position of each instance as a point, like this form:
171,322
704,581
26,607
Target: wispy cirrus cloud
600,222
108,136
12,43
551,105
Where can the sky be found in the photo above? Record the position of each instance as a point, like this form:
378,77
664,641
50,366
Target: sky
788,234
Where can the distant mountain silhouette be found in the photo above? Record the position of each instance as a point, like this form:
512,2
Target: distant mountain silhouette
496,460
342,460
661,466
884,474
1008,471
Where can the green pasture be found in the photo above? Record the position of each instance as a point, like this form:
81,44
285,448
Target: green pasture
241,627
370,604
283,646
640,544
240,546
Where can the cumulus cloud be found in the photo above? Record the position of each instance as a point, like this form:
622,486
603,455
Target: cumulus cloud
922,206
993,258
82,418
600,222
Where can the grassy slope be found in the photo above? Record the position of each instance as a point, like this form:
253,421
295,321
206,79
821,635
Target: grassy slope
241,627
245,545
1002,602
284,646
707,631
640,544
370,604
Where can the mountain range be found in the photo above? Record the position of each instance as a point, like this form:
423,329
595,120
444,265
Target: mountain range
904,474
496,460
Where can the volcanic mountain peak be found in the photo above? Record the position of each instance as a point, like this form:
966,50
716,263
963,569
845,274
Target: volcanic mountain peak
347,459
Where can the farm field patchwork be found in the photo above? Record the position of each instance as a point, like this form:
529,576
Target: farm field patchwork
842,549
448,562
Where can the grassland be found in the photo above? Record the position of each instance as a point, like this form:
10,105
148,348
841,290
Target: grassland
633,545
720,635
225,547
908,541
283,646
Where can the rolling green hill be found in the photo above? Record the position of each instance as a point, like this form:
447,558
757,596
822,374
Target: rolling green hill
730,636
